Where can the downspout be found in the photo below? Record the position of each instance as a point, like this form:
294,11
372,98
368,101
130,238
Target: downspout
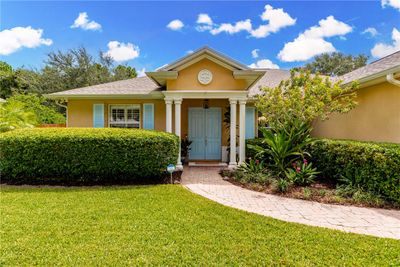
390,78
66,111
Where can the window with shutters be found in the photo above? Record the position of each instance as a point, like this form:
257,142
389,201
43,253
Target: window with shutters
124,116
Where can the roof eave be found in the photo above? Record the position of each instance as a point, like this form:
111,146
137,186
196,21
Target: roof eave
151,95
376,76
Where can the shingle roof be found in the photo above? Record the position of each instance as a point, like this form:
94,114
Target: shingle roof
271,78
141,85
383,64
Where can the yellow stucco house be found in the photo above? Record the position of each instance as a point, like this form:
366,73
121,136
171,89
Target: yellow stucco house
190,96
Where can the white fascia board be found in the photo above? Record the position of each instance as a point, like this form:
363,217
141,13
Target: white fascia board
195,94
157,95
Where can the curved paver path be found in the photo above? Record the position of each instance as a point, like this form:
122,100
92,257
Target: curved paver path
207,182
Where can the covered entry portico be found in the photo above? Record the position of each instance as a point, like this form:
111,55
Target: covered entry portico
174,101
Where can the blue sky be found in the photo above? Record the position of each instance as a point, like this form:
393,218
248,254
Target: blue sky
136,33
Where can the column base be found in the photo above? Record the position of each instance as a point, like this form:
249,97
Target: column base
232,165
179,167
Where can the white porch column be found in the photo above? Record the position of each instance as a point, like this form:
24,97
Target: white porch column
232,159
168,112
178,103
242,131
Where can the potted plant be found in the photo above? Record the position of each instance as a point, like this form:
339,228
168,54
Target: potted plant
185,148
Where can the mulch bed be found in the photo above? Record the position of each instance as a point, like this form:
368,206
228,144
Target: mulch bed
319,192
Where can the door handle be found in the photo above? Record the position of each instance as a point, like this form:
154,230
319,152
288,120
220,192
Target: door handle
206,141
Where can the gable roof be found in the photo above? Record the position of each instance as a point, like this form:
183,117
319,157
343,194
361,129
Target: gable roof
135,86
202,53
376,69
147,87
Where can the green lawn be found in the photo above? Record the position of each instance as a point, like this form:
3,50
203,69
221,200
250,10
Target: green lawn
165,225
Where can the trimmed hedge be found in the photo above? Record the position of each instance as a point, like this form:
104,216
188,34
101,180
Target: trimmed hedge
377,164
85,155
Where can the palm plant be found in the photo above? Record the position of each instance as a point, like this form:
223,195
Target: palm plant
282,147
13,115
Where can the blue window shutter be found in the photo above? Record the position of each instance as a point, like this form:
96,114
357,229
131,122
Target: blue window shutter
98,115
250,122
148,116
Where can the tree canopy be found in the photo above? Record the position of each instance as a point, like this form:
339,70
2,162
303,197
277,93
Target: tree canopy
305,98
336,64
62,71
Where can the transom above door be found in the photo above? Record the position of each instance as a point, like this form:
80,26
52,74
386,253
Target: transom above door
205,133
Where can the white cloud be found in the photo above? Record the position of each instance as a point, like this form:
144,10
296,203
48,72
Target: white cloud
82,21
243,25
277,19
311,42
121,51
13,39
204,19
393,3
370,30
381,49
254,53
175,25
189,52
142,72
264,64
204,22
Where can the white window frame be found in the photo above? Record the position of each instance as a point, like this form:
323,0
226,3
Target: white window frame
125,107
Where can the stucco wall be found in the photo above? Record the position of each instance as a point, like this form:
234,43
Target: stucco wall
376,118
222,78
80,112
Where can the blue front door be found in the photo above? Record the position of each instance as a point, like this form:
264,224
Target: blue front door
205,133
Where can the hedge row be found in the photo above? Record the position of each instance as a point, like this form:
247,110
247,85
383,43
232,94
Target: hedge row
377,165
85,156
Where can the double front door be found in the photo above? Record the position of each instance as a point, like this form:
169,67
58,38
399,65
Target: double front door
205,133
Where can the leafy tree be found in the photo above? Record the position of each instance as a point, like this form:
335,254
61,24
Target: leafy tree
336,64
122,72
8,82
77,68
304,98
45,113
62,71
13,115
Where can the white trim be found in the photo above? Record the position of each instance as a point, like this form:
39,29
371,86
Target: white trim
154,95
390,78
374,76
125,107
205,50
194,94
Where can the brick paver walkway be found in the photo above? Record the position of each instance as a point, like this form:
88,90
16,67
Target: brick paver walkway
206,182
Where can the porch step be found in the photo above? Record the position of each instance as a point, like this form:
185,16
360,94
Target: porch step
207,164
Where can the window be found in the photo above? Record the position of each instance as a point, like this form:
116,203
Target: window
124,116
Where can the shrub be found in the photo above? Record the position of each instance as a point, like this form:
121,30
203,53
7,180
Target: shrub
374,167
81,156
302,173
283,146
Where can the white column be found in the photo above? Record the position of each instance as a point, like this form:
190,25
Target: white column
168,118
232,160
242,131
178,103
